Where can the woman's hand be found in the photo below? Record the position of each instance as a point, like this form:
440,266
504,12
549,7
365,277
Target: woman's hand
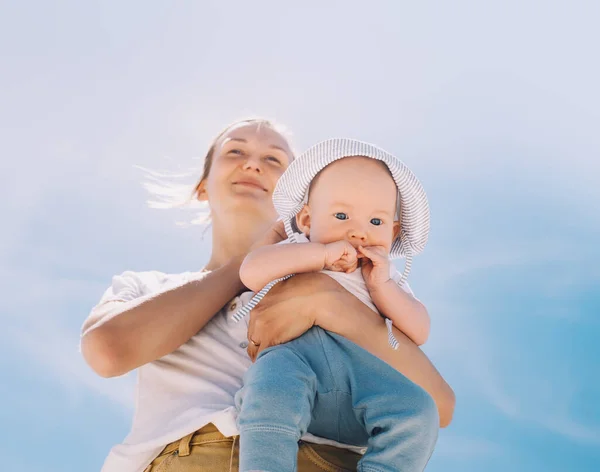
288,311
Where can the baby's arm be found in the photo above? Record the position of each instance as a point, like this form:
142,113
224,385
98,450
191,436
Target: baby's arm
407,313
272,262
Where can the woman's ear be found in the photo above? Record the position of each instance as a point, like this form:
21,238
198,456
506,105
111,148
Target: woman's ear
303,220
201,193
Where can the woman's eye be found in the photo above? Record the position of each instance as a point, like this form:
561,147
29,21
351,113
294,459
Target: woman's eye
341,216
273,159
237,152
376,221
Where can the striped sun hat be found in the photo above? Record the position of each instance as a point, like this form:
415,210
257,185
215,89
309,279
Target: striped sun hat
291,192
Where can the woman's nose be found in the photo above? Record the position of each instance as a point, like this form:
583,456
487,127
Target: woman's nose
253,164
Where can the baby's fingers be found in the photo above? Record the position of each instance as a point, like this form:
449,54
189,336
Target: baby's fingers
375,253
349,266
365,252
336,267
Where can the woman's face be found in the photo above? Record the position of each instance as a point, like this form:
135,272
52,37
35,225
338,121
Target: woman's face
247,163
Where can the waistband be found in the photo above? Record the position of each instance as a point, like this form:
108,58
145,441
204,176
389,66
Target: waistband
205,435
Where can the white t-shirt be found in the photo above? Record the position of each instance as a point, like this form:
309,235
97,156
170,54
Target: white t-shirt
187,389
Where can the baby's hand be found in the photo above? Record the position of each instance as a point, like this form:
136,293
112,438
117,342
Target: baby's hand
340,256
375,265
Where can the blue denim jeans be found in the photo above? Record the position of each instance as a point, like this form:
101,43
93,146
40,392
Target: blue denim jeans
326,385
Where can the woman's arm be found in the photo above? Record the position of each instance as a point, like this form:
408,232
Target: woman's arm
344,314
121,336
294,306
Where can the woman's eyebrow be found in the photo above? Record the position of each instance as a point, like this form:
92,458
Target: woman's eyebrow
279,148
239,140
245,141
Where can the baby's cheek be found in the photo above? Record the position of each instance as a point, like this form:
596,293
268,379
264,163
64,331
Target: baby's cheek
323,235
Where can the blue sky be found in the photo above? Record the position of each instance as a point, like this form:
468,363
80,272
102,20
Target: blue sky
495,105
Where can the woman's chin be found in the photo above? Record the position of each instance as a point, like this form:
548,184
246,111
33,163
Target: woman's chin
250,206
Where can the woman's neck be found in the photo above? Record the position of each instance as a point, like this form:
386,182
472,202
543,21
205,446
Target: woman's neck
232,239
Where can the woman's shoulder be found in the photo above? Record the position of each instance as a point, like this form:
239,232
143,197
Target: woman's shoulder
151,281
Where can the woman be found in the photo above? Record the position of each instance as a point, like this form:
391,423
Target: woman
191,356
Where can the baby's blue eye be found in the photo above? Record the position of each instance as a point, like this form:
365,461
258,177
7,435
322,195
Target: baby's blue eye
376,221
341,216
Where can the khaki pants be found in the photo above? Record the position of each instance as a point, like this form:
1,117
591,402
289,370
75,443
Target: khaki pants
207,450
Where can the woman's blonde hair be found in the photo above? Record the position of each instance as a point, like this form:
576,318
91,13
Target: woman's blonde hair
167,190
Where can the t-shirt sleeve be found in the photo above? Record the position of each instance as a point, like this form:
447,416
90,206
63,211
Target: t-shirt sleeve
127,287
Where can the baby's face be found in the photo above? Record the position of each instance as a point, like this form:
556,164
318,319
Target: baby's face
352,199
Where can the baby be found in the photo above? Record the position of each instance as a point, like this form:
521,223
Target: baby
348,207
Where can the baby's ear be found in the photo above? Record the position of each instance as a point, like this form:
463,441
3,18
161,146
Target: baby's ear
396,229
303,220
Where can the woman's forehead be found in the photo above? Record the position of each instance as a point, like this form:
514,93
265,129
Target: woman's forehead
256,132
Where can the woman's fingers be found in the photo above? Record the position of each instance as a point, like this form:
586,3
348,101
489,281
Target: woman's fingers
252,351
266,331
285,313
